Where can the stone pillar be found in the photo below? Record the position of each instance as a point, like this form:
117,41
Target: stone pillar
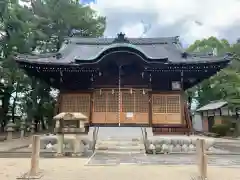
45,119
60,139
40,126
10,129
60,142
77,146
33,127
22,129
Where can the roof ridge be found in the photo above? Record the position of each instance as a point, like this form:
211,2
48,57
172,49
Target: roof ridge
140,40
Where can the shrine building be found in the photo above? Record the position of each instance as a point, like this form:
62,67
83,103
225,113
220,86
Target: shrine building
125,81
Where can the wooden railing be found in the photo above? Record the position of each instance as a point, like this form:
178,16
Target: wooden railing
187,117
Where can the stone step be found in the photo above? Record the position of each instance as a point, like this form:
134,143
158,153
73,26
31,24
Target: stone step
139,149
119,145
102,146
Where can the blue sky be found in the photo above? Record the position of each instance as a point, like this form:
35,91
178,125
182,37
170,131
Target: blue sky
87,1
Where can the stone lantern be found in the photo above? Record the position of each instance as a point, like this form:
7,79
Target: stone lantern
22,128
70,124
10,129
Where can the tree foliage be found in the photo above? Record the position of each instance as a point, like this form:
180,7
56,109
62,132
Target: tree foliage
225,84
39,27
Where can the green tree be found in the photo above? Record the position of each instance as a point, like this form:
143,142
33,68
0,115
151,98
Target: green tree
221,85
39,28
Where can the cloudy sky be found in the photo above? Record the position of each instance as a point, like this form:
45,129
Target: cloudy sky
190,19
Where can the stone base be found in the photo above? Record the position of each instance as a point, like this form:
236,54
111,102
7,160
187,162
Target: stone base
198,178
27,175
76,154
59,155
176,144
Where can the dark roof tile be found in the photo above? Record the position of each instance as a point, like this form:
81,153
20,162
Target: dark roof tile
90,48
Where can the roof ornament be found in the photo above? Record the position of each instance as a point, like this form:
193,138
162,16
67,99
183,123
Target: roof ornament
185,55
120,38
177,39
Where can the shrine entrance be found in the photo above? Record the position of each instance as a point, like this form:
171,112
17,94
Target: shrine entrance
126,107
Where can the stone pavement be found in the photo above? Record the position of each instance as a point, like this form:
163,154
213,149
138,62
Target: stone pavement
14,144
106,159
75,169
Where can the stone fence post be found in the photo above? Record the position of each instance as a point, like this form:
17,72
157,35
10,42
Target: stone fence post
34,172
35,155
201,158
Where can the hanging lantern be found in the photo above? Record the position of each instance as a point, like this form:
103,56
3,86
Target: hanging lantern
92,78
144,91
100,92
112,91
131,91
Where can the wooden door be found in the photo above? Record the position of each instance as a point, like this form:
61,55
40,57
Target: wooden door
158,109
99,107
142,107
105,107
166,109
127,110
128,107
135,107
112,113
173,107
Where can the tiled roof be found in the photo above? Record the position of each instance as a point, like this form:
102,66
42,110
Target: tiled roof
213,106
85,49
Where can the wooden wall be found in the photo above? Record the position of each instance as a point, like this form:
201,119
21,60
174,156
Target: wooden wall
75,102
102,106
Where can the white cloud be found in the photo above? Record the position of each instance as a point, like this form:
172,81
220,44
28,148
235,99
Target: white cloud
191,19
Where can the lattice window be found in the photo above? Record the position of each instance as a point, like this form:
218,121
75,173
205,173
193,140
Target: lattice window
112,101
159,104
173,104
82,103
100,101
68,103
128,102
141,102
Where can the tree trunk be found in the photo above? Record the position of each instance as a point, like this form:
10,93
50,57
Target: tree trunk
43,123
5,108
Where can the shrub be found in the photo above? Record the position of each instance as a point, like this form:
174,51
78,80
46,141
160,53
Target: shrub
221,129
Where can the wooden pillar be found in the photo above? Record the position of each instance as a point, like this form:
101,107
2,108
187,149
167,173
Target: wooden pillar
201,158
35,155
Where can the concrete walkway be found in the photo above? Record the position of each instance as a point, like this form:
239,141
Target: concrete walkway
74,169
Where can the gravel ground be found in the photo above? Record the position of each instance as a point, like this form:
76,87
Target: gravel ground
75,169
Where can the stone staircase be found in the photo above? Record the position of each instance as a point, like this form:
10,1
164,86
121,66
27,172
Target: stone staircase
120,145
